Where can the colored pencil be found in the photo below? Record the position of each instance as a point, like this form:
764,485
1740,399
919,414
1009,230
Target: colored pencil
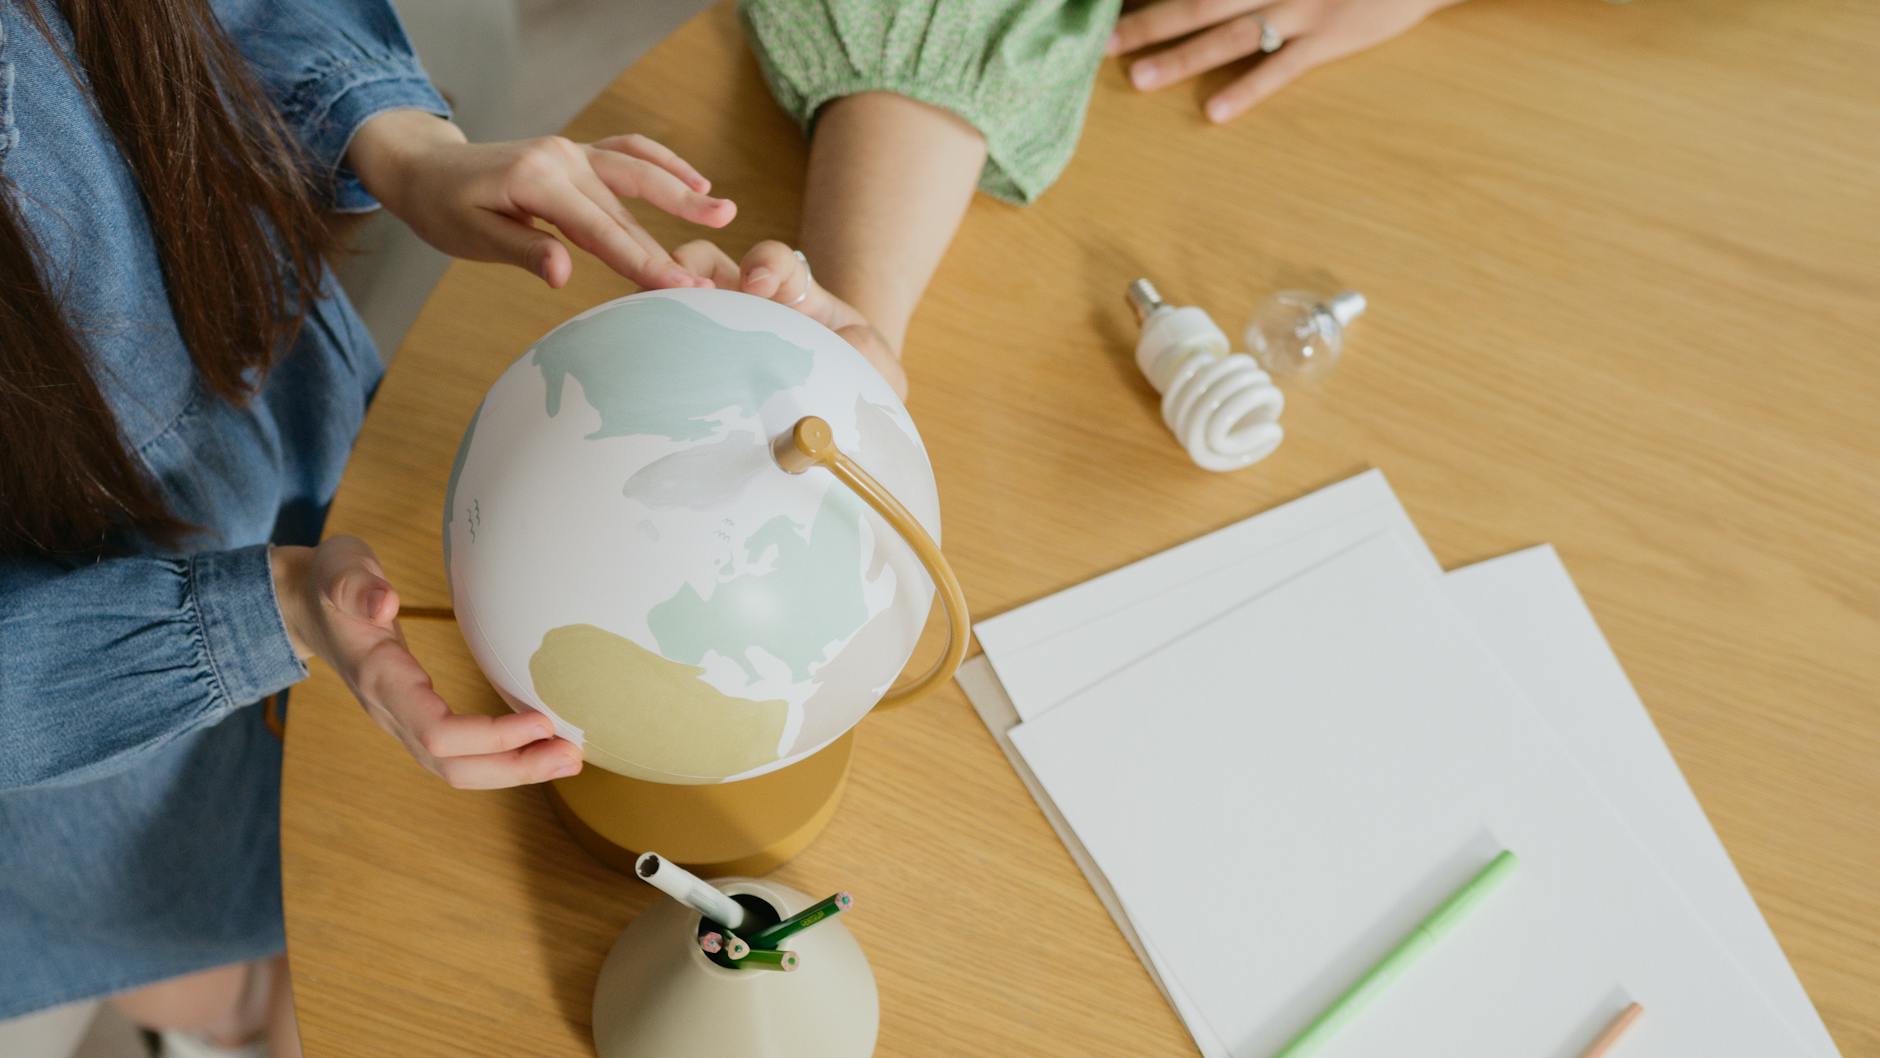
763,959
689,889
735,946
771,936
1420,940
1614,1029
712,943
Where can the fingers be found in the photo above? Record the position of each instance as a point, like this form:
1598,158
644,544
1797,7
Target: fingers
1169,19
526,246
360,593
482,201
466,750
703,257
359,636
659,154
551,758
1235,38
351,581
554,180
451,734
1273,73
602,233
1231,30
772,270
387,678
630,177
589,184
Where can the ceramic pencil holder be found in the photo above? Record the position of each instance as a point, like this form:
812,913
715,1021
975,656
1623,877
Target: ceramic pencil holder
660,996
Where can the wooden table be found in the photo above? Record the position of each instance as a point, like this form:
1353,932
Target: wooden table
1624,263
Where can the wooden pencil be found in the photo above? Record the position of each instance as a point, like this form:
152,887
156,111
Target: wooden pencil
1615,1029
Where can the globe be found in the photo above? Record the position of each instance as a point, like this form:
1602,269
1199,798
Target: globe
627,556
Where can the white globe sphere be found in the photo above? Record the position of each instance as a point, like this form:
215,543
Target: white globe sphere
627,557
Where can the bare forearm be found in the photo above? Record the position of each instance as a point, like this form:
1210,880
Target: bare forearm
889,179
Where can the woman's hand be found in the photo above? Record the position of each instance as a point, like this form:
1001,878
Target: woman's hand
339,607
1314,32
481,200
773,270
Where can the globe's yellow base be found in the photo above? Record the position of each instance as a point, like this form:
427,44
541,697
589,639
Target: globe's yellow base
743,828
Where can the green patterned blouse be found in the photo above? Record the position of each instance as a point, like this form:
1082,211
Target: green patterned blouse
1017,70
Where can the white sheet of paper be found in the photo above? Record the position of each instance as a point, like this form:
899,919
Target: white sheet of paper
1089,629
990,701
1530,616
1523,605
1208,576
1340,753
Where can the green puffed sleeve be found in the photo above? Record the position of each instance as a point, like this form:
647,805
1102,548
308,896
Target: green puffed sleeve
1017,70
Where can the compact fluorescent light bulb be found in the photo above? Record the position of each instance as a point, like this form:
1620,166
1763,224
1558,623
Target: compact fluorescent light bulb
1220,405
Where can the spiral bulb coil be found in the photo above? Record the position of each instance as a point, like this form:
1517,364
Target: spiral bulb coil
1224,411
1222,407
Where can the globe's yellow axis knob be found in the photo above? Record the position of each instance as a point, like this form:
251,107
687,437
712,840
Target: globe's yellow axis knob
808,443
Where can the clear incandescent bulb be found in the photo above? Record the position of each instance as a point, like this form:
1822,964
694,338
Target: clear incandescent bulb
1295,335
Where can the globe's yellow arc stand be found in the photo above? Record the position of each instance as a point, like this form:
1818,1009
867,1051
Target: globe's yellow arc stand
756,825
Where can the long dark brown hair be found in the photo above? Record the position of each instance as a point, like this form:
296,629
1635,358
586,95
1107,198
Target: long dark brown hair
239,235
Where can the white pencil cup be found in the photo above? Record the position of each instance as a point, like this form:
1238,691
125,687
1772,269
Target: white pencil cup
659,996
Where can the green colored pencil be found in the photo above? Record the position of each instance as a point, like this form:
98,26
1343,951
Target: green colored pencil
771,936
1420,940
735,946
767,959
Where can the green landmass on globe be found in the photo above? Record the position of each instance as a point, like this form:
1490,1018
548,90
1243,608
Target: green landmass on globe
819,575
704,367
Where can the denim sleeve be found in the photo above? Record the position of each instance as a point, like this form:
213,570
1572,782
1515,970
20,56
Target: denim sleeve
104,663
330,65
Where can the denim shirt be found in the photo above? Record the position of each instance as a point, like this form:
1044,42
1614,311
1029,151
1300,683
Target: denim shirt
137,794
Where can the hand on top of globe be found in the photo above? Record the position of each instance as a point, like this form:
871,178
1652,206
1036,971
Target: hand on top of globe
774,271
480,201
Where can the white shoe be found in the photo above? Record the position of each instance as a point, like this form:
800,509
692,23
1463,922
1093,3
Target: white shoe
173,1044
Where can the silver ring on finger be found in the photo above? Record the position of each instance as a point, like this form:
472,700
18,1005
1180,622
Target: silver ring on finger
1270,39
809,281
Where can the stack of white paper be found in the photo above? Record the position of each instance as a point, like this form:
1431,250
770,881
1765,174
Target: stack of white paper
1274,749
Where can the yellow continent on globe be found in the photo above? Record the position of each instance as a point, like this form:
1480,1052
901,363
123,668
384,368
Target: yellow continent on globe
622,694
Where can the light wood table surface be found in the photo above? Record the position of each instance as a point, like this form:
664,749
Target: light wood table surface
1624,268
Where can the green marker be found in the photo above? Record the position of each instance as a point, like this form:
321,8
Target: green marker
771,936
761,959
1421,939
